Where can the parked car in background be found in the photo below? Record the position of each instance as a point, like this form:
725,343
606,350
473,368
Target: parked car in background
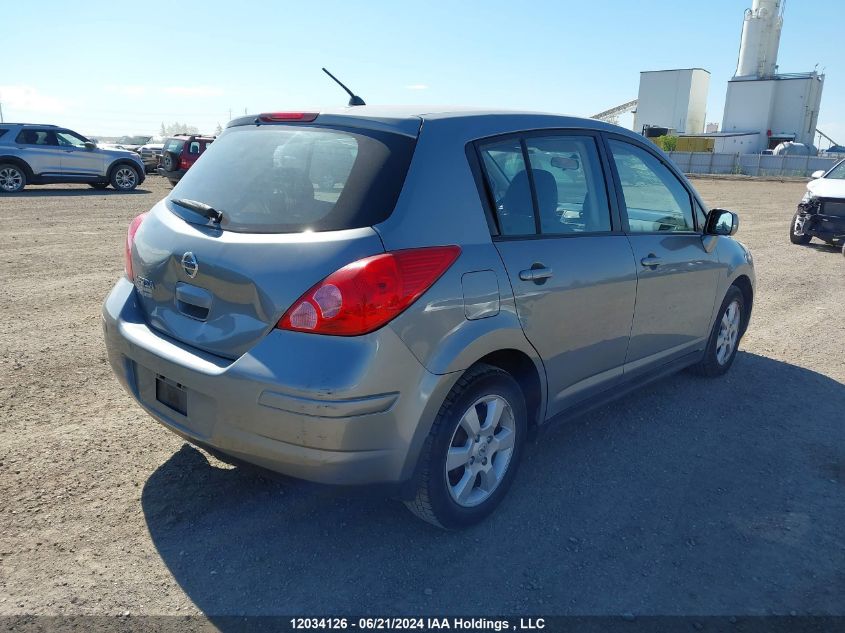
38,154
467,277
179,153
151,153
821,213
131,143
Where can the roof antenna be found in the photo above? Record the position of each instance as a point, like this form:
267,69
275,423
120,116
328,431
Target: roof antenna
354,100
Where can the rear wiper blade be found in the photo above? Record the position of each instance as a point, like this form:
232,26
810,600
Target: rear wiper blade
200,207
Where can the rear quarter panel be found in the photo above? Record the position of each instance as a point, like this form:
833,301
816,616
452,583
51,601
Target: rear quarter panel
440,205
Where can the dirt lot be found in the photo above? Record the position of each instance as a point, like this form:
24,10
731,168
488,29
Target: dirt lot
692,497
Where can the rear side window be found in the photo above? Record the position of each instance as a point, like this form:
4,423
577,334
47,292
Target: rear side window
507,178
287,179
571,193
2,132
37,137
565,178
655,199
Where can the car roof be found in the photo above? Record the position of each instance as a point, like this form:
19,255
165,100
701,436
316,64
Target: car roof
408,119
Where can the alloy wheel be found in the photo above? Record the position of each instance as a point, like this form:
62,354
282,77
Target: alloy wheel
480,451
11,179
728,332
125,178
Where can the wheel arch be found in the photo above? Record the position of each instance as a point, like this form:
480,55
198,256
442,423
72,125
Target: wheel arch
498,341
122,161
743,283
19,162
524,370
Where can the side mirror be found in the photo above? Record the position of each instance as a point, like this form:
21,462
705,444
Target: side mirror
90,145
817,174
721,222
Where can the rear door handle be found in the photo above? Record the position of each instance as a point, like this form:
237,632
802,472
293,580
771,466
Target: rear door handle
535,274
651,261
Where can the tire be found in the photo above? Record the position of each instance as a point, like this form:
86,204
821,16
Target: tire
169,161
125,177
12,178
98,185
457,498
797,238
724,337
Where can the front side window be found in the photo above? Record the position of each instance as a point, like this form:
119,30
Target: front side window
701,216
69,139
655,199
571,193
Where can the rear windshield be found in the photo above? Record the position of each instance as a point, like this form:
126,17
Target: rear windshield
289,178
174,145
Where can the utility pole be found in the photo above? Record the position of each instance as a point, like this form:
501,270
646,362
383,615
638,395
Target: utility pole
1,112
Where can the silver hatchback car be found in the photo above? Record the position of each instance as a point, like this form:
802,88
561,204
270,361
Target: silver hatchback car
388,296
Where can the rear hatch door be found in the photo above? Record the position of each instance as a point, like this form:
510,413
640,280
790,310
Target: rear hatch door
297,203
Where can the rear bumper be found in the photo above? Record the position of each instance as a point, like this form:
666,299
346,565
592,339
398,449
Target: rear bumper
326,409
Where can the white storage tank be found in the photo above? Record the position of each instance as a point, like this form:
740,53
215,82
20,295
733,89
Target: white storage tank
758,49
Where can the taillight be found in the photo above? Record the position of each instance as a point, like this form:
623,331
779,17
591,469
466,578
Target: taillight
184,164
130,240
366,294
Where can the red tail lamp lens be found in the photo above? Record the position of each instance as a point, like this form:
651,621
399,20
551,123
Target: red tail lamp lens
130,240
366,294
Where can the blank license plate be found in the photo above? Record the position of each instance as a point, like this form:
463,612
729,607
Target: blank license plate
172,395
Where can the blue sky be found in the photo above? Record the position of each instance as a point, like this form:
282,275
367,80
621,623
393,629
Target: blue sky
104,71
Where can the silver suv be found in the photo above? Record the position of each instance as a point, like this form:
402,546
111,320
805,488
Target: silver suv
33,154
383,296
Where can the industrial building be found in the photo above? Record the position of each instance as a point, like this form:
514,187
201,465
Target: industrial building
763,107
779,107
673,99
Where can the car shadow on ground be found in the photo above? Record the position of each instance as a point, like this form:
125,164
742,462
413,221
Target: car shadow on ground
72,191
693,496
826,248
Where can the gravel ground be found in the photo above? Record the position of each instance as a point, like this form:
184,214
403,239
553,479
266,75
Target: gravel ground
693,496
